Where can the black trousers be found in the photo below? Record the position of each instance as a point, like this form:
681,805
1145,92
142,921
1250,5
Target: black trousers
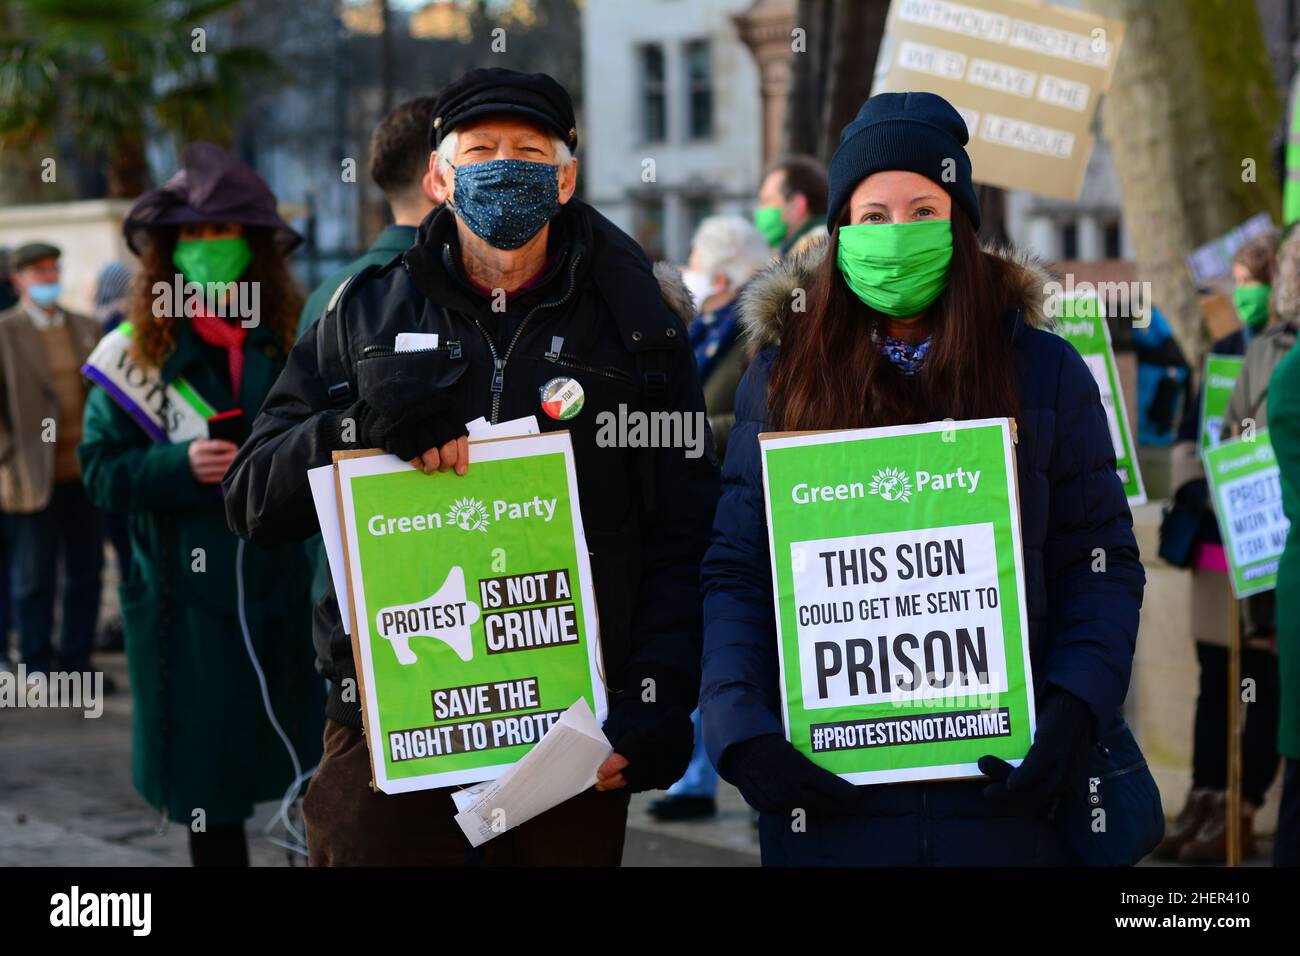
1259,755
1286,844
348,824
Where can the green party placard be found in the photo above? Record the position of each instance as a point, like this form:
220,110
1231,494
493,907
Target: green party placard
1082,323
899,589
474,618
1221,373
1246,489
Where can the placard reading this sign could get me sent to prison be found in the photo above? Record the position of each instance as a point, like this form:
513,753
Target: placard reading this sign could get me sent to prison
899,589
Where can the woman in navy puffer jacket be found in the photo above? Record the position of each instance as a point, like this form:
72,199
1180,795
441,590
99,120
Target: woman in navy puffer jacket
900,317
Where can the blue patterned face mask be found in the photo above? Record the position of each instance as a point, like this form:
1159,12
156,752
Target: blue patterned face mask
505,202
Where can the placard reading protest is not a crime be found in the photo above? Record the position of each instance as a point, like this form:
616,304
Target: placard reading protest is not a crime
474,618
899,589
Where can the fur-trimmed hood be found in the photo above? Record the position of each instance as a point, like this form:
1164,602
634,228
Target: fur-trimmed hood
674,291
765,300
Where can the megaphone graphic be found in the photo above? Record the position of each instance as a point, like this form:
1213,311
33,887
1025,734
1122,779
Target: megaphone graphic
445,615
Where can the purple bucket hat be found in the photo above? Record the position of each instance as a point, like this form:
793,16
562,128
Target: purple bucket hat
212,185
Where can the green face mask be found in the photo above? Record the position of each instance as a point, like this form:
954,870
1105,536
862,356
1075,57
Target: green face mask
1252,305
768,221
896,268
212,260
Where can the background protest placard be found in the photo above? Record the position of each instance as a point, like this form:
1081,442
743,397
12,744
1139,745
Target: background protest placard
899,586
1221,372
1213,260
1025,76
474,620
1082,323
1247,494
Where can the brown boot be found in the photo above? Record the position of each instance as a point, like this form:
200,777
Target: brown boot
1196,810
1210,845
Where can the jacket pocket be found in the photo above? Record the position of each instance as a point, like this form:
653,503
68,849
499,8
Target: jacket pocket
434,368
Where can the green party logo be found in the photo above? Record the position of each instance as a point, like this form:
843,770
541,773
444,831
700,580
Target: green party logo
468,514
892,484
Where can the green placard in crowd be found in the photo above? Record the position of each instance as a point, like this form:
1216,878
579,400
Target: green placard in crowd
1082,324
1247,493
899,590
474,621
1221,373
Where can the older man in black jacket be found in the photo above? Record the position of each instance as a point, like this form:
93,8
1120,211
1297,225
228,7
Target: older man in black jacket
524,285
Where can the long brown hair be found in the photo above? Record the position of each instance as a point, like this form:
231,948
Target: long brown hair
154,337
830,374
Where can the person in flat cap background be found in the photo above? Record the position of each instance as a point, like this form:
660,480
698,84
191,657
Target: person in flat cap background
48,520
201,736
581,303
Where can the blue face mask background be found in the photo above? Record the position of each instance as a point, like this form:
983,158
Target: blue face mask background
45,293
505,202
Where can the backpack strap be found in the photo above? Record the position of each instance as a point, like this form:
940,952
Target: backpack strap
333,353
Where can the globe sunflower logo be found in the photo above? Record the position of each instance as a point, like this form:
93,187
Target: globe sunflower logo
892,484
468,514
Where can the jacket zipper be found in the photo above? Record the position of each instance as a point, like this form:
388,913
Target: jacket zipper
374,351
568,361
1122,772
499,361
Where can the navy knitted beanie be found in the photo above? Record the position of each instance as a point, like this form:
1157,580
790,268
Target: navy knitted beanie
916,132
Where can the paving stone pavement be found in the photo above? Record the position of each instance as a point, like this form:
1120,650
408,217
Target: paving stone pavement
66,799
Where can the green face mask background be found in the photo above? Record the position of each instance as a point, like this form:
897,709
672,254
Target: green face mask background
212,260
768,221
1252,304
896,268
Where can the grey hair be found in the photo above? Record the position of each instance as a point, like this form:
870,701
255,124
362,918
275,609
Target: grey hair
447,151
731,245
1285,297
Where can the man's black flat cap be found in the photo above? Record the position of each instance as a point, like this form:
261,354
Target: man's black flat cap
31,252
496,91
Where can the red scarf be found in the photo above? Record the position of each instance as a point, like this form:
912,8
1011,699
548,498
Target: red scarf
227,335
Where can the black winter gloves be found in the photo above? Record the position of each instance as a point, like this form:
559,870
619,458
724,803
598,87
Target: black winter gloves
656,736
1060,745
407,417
774,777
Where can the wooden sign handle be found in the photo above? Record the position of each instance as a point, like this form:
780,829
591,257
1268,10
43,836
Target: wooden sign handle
1235,714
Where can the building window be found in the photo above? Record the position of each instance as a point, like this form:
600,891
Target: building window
698,208
1070,240
649,226
654,98
1114,240
699,89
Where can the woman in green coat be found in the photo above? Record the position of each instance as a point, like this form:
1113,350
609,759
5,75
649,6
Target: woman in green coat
1284,430
197,606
